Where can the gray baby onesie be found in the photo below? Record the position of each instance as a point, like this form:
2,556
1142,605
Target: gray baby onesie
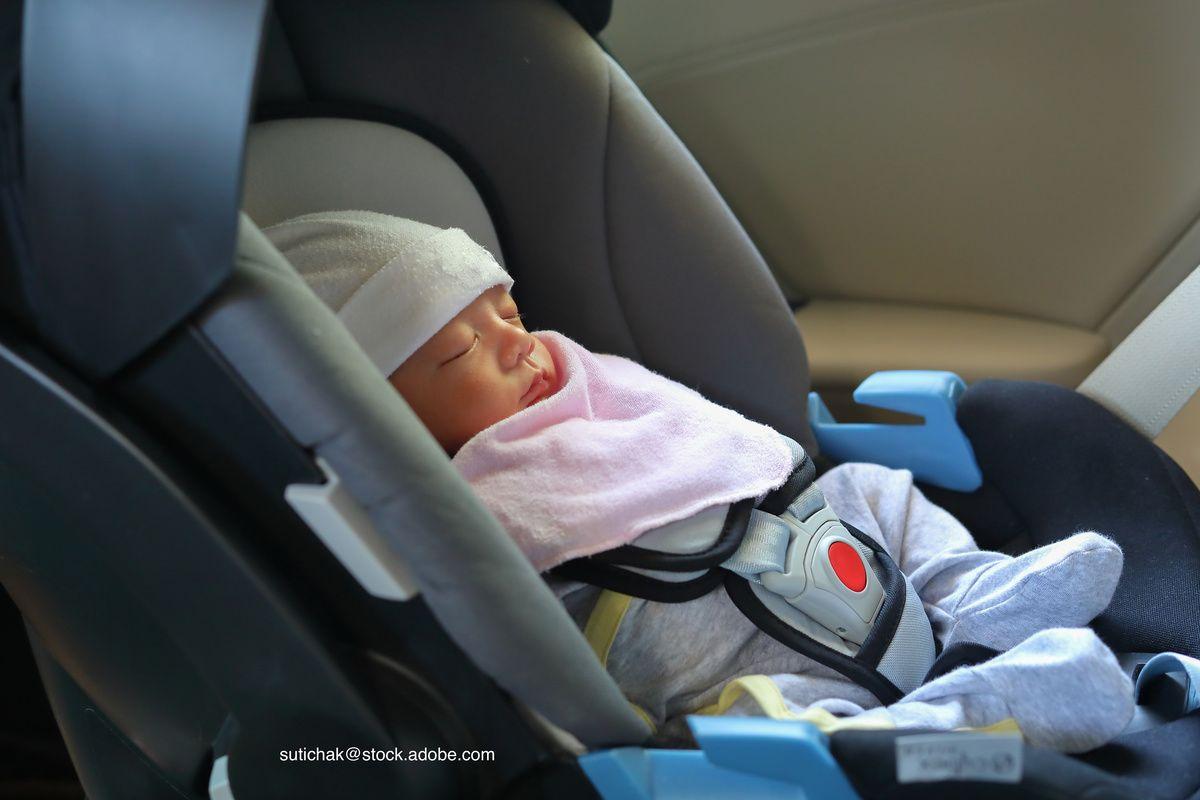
1064,688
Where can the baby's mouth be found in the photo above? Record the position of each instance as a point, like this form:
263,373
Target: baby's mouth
536,387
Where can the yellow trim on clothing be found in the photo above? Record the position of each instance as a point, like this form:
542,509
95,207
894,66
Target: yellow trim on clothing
1007,725
604,621
766,693
601,631
641,712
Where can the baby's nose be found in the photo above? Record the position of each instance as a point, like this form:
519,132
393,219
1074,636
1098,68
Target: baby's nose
518,349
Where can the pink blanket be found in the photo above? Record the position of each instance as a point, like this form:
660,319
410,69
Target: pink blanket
616,451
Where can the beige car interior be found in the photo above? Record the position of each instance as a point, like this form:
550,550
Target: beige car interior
1001,188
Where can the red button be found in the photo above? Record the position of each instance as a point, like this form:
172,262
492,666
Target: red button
848,566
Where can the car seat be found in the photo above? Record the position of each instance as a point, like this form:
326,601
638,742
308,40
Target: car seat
170,387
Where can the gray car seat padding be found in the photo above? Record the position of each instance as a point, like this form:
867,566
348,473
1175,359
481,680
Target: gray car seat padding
299,166
303,364
614,234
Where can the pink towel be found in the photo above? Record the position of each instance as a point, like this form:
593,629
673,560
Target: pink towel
616,451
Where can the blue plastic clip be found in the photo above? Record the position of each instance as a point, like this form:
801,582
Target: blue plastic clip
739,758
935,451
1166,663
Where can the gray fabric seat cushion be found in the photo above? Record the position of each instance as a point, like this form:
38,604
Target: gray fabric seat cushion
301,166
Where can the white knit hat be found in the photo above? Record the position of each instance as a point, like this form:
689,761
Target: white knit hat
393,282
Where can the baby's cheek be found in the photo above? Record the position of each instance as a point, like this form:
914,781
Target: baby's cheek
485,403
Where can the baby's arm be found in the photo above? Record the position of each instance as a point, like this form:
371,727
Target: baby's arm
971,594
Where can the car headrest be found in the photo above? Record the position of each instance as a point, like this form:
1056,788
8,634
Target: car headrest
298,166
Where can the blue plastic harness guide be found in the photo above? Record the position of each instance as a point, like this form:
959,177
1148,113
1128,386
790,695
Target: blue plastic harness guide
935,451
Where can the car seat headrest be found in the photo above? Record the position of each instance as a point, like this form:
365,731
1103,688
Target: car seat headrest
299,166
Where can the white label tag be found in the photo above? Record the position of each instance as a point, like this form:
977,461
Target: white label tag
992,757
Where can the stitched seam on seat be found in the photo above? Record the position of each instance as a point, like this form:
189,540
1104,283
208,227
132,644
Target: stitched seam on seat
1187,388
612,276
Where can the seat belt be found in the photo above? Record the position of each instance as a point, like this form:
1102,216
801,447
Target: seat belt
1151,375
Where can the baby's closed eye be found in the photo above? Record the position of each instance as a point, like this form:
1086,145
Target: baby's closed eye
462,351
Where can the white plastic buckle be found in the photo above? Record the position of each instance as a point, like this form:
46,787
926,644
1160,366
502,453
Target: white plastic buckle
344,527
810,584
219,787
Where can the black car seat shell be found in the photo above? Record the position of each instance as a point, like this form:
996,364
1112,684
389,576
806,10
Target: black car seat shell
233,451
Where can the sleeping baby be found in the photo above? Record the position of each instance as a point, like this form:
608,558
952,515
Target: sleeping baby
578,453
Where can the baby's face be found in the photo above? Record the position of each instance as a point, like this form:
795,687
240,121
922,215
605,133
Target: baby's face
482,367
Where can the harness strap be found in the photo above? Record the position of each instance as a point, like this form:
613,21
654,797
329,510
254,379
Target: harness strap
959,654
765,543
763,549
